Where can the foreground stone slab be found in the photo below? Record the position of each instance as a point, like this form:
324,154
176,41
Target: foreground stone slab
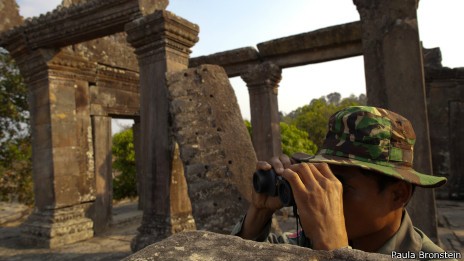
203,245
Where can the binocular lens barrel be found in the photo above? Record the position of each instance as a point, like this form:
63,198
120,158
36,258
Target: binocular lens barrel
268,182
285,193
265,182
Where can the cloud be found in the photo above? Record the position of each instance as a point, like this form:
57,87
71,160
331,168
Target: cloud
31,8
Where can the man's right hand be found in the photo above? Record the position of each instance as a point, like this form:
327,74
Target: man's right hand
263,206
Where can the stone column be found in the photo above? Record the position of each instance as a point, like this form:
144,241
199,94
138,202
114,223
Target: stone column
138,160
102,140
162,43
262,81
395,81
456,150
62,151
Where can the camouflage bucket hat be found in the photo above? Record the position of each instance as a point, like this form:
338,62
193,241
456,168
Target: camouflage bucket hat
374,139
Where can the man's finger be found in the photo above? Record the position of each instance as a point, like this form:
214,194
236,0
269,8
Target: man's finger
293,178
277,165
325,170
305,174
263,165
285,161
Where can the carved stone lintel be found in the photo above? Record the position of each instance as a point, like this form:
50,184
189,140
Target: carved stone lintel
386,15
266,75
150,6
369,4
162,31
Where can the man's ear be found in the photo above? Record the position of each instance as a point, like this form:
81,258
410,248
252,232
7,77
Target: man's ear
401,193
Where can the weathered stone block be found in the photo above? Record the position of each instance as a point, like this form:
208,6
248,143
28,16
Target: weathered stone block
215,145
234,61
40,115
115,101
66,190
64,134
56,227
325,44
39,95
62,92
64,161
43,134
203,245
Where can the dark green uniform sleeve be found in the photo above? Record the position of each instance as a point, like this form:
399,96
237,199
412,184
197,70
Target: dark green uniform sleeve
266,235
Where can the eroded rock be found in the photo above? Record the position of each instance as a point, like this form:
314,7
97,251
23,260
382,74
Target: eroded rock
203,245
215,146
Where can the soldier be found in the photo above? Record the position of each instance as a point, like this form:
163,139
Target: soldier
353,193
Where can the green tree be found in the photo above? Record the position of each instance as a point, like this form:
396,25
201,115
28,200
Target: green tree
248,126
15,137
313,118
125,184
293,139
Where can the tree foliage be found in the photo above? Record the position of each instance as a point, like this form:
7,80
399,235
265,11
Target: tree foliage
14,113
15,136
293,139
313,118
125,184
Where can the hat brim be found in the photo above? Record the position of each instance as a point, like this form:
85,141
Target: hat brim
404,173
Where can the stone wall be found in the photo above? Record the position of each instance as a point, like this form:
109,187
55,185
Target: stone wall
111,50
445,100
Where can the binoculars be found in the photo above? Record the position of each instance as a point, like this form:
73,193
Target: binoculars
268,182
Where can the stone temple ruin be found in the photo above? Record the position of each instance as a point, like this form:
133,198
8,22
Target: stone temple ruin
194,158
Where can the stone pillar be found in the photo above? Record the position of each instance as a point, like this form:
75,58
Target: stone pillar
262,81
103,205
456,149
395,81
62,151
138,161
162,43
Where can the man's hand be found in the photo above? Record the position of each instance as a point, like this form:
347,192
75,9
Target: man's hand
263,206
263,201
319,197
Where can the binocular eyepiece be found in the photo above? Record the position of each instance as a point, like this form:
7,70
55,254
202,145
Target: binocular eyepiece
268,182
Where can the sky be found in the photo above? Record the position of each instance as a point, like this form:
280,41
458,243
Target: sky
226,25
